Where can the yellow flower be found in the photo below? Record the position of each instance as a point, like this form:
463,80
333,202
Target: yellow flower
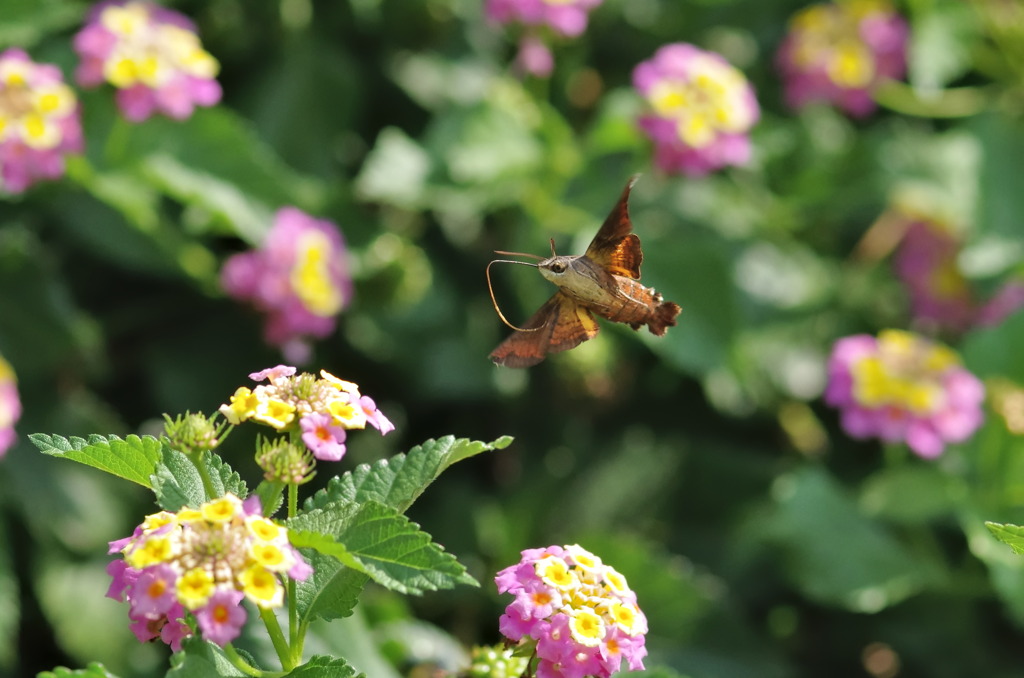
194,588
243,405
271,557
220,510
153,550
554,572
264,529
276,413
340,384
261,587
586,628
346,413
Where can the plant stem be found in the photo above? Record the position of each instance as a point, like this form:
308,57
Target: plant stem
295,638
204,474
242,665
278,639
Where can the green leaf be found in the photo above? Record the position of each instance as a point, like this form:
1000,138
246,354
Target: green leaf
375,539
398,481
331,592
942,40
833,553
178,483
201,659
132,458
93,670
320,666
1011,535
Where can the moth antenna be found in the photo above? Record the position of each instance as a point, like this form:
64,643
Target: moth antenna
553,247
490,288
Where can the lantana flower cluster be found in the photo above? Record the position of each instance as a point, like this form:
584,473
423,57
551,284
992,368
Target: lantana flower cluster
39,121
191,570
701,109
322,409
903,387
580,613
927,261
153,57
299,278
566,18
10,406
839,52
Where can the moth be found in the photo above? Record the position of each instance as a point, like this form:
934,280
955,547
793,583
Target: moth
603,281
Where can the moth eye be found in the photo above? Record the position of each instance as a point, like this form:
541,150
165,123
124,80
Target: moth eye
558,268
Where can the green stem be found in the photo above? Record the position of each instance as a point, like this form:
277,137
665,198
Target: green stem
278,639
295,638
204,474
242,665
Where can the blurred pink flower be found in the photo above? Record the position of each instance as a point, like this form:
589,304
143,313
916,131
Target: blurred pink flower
564,17
10,407
903,387
535,57
39,122
926,263
941,296
839,52
700,108
299,278
153,57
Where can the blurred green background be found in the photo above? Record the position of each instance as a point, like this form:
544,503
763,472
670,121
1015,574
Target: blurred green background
761,540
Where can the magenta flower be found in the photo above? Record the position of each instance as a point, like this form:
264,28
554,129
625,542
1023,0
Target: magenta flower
324,438
202,561
565,17
903,387
578,614
926,263
700,109
221,620
299,278
153,57
10,407
39,123
839,52
153,592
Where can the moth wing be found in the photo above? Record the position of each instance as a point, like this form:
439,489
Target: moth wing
558,325
615,247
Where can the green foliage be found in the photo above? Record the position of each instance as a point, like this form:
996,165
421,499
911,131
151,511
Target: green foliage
134,458
93,670
380,542
178,481
1011,535
325,667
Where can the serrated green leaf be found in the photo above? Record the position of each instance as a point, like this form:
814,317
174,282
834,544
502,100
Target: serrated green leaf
201,659
271,496
178,483
399,481
132,458
331,592
93,670
376,539
320,666
1011,535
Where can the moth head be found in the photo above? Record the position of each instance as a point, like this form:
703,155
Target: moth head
554,268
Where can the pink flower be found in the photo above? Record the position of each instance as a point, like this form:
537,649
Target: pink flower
535,57
700,109
903,387
153,57
221,620
273,374
10,407
578,613
564,17
299,278
324,438
839,52
926,262
152,594
1008,299
374,416
39,124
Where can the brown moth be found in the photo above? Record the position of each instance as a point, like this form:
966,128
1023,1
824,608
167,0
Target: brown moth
605,280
